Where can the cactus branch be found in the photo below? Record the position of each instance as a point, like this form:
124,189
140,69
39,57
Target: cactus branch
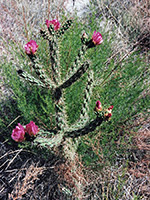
87,97
48,139
45,34
66,26
86,129
55,62
41,73
60,115
76,64
30,78
54,52
75,76
51,29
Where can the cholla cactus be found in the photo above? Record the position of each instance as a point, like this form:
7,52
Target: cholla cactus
83,126
64,140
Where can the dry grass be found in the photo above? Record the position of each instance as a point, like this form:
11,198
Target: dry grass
71,173
22,185
21,20
24,176
64,180
130,21
140,169
140,22
141,15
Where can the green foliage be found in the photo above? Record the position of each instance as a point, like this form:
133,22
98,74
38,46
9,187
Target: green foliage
120,85
123,89
31,102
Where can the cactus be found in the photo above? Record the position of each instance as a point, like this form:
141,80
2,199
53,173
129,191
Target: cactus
64,139
57,86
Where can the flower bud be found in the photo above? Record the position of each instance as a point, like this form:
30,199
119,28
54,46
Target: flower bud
108,113
98,106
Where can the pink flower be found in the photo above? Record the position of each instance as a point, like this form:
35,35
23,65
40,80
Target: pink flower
18,133
98,106
31,47
110,108
32,129
97,38
55,22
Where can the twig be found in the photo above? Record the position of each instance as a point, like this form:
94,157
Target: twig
14,121
13,158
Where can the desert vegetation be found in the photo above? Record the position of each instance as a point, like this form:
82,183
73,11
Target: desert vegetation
74,100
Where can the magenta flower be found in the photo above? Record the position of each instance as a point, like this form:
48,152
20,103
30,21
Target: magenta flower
18,133
55,22
32,129
97,38
110,108
31,47
98,106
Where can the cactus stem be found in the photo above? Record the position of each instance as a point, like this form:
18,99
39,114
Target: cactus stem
75,76
86,129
